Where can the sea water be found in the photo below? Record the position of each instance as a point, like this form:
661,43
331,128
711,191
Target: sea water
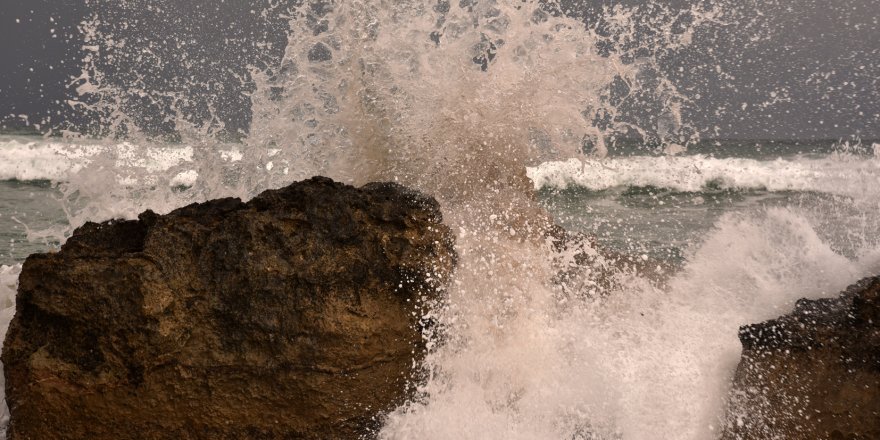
514,117
746,237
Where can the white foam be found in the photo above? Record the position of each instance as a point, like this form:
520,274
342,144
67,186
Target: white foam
647,362
8,287
46,160
518,363
835,174
28,159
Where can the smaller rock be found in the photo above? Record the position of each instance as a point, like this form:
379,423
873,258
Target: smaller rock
812,374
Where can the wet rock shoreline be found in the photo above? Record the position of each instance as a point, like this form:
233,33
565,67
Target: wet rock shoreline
811,374
299,315
294,315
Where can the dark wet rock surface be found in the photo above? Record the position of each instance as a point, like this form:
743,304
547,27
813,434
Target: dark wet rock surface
812,374
297,315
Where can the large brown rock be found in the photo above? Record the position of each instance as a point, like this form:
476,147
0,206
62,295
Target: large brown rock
296,315
812,374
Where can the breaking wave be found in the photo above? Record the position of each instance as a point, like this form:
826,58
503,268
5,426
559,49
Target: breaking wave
459,99
832,174
59,161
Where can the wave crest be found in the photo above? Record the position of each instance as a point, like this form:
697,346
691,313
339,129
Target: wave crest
832,174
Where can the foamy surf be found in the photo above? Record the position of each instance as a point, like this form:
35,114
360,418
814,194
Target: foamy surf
60,160
8,286
842,174
645,362
833,174
41,160
456,99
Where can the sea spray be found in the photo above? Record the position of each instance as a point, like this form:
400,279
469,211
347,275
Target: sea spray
416,91
643,362
458,99
8,286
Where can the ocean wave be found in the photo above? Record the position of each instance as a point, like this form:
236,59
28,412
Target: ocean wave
833,174
29,160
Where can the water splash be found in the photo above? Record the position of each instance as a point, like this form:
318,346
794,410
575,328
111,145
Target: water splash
8,287
458,99
643,362
418,91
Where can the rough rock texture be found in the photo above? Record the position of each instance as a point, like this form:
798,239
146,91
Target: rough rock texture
293,316
812,374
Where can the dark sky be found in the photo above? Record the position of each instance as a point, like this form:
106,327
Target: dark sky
787,69
37,55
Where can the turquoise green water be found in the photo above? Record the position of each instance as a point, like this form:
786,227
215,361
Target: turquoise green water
656,221
633,202
26,205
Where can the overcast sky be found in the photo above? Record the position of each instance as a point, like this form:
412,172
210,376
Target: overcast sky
815,75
